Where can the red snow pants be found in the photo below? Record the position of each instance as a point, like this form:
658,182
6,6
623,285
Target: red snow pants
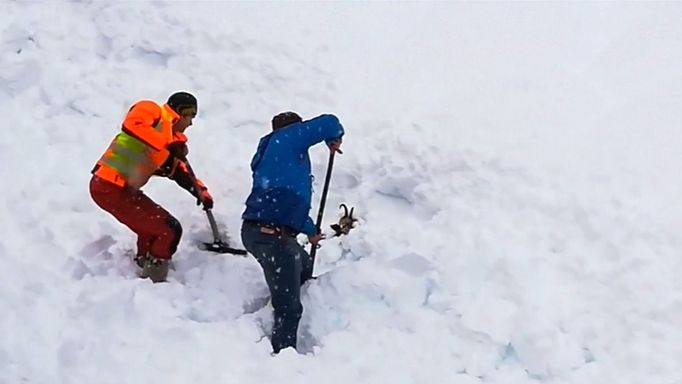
158,232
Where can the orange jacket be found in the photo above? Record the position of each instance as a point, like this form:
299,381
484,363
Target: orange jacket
141,148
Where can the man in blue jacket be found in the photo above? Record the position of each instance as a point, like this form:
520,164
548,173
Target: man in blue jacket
278,209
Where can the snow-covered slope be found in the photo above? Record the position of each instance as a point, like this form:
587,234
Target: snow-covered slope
513,166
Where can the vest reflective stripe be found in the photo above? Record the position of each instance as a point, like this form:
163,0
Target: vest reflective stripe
129,156
165,117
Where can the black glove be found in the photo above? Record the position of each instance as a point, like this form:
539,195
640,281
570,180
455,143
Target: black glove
178,149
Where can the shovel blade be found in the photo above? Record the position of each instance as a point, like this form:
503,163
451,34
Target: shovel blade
220,247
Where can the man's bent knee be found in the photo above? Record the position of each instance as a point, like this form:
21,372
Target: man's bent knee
176,233
167,238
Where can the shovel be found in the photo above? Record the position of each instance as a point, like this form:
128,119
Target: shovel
217,245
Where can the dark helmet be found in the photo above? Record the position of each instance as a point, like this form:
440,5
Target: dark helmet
285,118
185,104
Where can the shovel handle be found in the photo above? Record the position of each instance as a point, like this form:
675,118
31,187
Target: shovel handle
214,226
323,201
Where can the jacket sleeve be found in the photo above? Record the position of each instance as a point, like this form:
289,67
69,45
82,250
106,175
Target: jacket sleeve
176,170
183,178
142,122
310,132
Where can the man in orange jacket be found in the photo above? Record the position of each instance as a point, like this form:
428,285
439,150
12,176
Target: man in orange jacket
151,142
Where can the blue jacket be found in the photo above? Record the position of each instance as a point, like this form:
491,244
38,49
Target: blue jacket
282,179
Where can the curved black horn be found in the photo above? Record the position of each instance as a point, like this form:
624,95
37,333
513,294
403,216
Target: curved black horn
345,209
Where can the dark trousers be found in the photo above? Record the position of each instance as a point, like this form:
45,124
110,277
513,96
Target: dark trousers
286,266
158,232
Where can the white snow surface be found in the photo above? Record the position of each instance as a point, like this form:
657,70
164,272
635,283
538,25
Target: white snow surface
514,166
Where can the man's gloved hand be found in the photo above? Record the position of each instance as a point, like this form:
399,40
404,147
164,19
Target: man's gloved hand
315,239
205,198
335,145
178,149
